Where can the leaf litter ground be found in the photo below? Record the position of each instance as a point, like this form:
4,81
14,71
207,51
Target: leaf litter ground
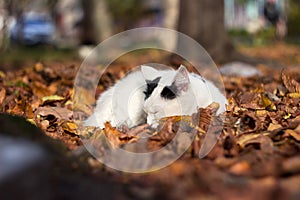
257,154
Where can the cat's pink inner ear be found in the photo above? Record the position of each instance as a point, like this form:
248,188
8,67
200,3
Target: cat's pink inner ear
181,79
149,73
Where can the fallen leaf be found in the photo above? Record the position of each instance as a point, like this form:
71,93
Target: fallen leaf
225,162
31,121
2,95
70,127
287,116
60,113
251,100
112,134
264,142
44,124
52,98
2,74
206,116
40,90
273,127
293,123
240,168
297,129
293,134
289,82
294,95
38,67
250,122
138,130
175,119
83,100
268,103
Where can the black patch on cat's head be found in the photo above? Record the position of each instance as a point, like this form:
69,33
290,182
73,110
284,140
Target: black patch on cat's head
151,85
169,92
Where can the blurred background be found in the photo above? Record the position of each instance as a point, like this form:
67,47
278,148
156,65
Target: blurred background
55,30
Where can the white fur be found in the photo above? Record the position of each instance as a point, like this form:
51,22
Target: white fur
121,104
125,104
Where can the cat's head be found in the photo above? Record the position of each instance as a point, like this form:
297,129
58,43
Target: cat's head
168,93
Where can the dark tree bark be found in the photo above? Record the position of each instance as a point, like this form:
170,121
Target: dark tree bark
203,20
293,16
97,22
87,35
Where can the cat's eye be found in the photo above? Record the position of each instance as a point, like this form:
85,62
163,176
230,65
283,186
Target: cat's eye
151,85
169,92
149,90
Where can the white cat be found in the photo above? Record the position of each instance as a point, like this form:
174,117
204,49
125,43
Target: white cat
148,95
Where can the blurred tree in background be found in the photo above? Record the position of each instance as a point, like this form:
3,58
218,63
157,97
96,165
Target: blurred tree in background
3,27
203,20
125,12
97,23
294,18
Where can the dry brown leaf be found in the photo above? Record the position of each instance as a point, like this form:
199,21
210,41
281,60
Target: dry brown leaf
44,124
138,130
293,123
70,127
264,142
289,82
240,168
268,103
273,127
2,74
251,100
112,134
175,119
230,146
206,115
60,113
293,134
297,129
294,95
233,106
83,100
2,95
169,127
52,98
40,90
168,124
28,110
38,67
118,138
250,122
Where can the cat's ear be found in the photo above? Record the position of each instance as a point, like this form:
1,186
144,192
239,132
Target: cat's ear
181,80
149,73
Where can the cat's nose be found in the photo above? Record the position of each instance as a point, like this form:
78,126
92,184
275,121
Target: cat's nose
151,109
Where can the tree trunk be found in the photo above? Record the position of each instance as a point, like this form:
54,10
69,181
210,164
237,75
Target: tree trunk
170,21
293,18
97,22
171,10
203,20
2,25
